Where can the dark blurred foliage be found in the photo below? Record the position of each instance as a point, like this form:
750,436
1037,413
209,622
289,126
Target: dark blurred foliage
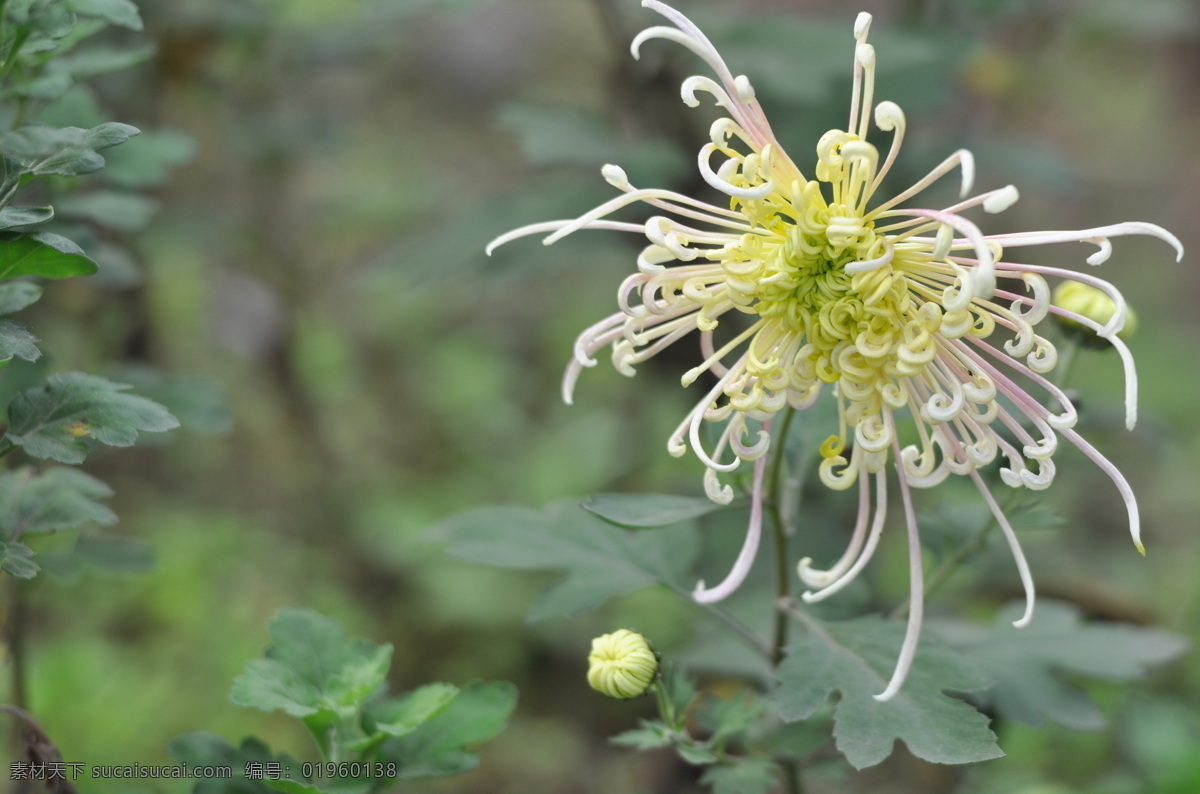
321,259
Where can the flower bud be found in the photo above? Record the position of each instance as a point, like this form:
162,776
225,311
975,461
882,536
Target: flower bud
1092,303
621,665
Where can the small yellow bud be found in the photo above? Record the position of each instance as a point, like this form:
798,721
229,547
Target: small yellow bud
78,429
621,665
1092,303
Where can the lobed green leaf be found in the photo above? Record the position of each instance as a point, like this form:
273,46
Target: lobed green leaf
1028,663
745,776
51,421
42,150
17,340
633,510
601,561
122,13
16,295
401,716
52,500
855,658
439,746
312,670
17,559
652,735
200,749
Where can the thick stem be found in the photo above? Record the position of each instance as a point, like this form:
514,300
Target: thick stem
783,580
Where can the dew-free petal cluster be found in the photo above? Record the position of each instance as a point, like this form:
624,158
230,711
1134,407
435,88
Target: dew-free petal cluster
810,284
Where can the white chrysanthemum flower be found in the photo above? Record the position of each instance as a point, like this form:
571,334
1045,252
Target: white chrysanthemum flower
892,305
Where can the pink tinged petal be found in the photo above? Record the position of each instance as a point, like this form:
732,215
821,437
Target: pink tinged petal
983,274
850,574
1135,527
1131,379
960,159
744,108
916,591
587,344
1099,236
745,559
554,226
1014,545
817,578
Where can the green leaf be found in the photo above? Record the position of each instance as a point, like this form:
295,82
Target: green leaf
17,559
147,160
855,658
745,776
601,561
728,717
44,254
17,340
125,212
52,500
648,510
66,151
695,753
16,295
680,692
111,133
401,716
652,735
51,21
100,60
122,13
439,746
312,671
24,216
198,402
44,87
51,421
1027,663
199,749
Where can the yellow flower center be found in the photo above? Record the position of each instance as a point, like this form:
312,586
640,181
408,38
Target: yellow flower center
859,329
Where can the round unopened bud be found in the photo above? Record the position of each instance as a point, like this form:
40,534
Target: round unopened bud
1094,304
621,665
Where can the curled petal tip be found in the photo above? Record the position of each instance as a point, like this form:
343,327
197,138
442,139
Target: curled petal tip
862,25
1137,544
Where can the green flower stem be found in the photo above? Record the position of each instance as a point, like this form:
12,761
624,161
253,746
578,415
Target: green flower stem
783,580
6,447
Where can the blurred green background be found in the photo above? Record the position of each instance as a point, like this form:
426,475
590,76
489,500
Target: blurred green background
321,261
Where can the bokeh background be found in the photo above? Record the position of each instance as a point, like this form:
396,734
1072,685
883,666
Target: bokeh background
355,369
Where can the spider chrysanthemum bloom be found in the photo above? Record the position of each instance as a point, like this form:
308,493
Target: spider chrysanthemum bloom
903,313
622,664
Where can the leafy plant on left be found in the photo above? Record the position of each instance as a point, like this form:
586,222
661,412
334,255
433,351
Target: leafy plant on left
51,134
43,56
367,740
